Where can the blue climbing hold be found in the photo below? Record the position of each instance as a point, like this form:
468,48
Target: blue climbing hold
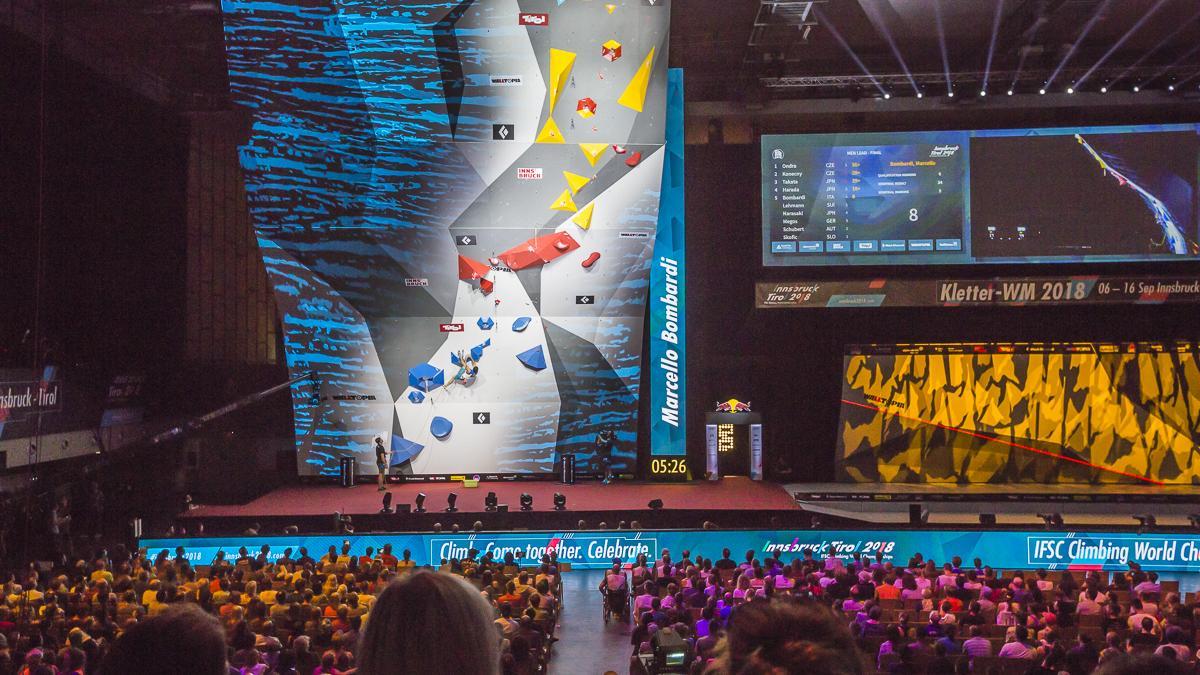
426,377
485,323
440,427
404,450
521,324
534,358
416,396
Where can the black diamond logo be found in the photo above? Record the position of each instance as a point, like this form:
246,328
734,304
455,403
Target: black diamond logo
503,132
481,418
465,239
585,299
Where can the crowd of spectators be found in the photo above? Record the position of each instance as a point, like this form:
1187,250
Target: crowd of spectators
289,613
373,613
917,617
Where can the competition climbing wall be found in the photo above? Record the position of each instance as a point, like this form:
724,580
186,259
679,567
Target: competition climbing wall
456,203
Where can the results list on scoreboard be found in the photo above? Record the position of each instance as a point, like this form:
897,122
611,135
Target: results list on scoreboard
865,199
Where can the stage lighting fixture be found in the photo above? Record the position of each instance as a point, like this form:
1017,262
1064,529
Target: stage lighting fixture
1146,522
387,503
1136,89
1051,519
920,95
1103,90
490,502
560,501
918,514
1170,87
1042,91
655,504
420,500
526,501
983,92
450,501
886,96
1070,90
1009,92
950,94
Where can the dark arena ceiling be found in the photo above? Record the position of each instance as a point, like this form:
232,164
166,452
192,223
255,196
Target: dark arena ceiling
740,51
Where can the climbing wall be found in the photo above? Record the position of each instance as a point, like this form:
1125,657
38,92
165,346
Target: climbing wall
456,203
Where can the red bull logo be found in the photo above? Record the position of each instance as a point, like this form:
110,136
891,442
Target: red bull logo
733,405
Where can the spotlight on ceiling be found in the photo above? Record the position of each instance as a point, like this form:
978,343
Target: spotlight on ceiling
490,502
526,501
983,92
1009,92
387,503
1103,90
920,95
560,501
1136,89
950,94
1051,520
451,499
1042,91
1070,90
420,500
886,96
1170,87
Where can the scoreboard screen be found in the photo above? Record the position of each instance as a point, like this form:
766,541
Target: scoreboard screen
1087,194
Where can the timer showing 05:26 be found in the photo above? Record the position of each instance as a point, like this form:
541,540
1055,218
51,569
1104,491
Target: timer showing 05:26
668,466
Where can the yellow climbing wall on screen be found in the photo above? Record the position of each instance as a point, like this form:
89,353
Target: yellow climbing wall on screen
1021,417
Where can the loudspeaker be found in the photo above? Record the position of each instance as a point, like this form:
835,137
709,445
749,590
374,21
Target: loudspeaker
917,514
502,508
987,519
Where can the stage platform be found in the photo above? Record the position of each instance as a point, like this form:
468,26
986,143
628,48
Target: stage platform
1110,506
1020,492
732,500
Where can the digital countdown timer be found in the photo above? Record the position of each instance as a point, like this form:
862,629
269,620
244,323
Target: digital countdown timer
669,468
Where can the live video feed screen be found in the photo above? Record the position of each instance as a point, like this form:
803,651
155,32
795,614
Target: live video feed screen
1085,194
1069,413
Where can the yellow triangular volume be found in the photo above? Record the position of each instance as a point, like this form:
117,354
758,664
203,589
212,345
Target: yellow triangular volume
560,70
634,95
575,181
610,7
593,151
564,202
550,133
584,218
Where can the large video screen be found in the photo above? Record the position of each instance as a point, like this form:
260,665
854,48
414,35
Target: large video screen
1083,194
1072,413
457,205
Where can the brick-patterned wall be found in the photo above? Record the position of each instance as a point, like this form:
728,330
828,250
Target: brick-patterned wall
231,315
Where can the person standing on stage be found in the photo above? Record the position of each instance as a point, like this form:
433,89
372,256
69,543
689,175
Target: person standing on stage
381,461
604,448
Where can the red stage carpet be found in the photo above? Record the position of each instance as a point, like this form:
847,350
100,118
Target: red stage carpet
729,494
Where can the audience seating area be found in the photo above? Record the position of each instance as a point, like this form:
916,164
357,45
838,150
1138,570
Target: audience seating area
290,612
282,614
925,617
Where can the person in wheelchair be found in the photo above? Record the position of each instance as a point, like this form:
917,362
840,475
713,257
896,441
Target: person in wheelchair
615,588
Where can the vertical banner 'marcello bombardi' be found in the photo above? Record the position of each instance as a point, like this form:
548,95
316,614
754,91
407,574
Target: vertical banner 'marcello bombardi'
668,365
